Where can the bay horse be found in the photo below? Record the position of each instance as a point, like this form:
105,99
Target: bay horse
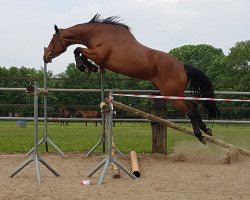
87,114
111,45
64,113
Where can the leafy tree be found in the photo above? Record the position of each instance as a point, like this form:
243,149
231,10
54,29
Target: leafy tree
228,73
202,56
239,61
17,78
235,75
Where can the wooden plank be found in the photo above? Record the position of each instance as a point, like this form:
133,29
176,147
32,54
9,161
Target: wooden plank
167,123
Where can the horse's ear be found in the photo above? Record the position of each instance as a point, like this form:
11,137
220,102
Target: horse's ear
56,29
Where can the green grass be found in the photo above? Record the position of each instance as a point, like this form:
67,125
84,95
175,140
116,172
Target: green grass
128,136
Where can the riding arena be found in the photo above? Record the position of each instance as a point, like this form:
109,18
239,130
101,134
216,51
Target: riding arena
207,165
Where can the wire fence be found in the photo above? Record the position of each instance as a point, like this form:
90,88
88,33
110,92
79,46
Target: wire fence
122,92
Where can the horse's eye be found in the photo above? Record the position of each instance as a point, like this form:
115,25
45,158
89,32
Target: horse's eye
53,39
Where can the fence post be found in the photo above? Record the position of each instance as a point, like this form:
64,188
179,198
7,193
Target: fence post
159,131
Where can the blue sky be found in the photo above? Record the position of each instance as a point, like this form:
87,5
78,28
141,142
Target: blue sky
27,25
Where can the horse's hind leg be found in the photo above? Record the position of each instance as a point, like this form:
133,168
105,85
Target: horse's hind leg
201,124
194,121
190,111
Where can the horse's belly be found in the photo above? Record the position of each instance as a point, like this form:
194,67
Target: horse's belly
135,65
133,71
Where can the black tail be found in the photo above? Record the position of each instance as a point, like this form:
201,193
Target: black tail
202,87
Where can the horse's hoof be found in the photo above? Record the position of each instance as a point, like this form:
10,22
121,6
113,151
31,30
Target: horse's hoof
202,139
77,51
209,132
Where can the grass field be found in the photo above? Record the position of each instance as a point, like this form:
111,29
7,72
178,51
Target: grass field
128,136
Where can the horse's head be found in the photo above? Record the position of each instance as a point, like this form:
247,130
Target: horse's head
57,46
78,113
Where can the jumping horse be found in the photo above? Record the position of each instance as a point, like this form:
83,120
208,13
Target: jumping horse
111,45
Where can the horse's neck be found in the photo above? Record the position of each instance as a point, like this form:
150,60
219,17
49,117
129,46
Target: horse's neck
78,34
85,33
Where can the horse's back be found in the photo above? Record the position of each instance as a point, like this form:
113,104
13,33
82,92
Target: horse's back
120,52
131,58
90,114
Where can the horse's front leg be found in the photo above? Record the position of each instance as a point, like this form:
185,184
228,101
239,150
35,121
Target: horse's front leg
79,61
82,61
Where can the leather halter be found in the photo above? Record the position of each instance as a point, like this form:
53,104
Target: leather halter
55,39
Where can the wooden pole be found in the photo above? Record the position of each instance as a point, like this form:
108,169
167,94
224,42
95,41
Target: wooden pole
167,123
116,171
134,164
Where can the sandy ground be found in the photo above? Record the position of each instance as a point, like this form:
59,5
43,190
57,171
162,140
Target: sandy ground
189,173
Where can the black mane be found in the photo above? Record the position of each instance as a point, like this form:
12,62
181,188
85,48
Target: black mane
114,20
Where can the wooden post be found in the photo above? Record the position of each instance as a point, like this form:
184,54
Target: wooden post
159,131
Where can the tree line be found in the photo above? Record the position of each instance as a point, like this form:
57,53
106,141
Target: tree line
227,72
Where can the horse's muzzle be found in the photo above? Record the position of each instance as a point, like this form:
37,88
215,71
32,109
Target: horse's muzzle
47,59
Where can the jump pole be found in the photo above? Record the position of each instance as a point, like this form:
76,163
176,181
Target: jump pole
103,139
134,164
46,138
105,110
170,124
44,91
35,157
110,159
